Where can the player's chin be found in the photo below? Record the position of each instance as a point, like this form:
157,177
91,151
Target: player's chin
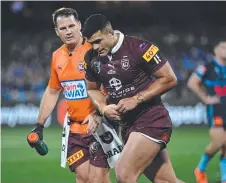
71,41
103,54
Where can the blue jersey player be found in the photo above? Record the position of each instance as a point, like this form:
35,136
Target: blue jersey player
213,77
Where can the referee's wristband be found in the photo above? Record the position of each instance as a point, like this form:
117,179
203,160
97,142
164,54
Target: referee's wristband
37,124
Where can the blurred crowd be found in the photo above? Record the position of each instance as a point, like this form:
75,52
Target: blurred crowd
28,38
26,59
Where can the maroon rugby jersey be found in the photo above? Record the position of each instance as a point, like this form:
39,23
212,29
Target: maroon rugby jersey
126,71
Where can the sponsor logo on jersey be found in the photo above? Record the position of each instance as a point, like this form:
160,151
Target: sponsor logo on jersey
81,67
111,72
220,90
121,93
150,53
115,83
201,69
74,89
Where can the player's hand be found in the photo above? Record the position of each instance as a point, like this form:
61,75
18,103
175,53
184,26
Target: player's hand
110,111
39,130
127,104
210,100
93,121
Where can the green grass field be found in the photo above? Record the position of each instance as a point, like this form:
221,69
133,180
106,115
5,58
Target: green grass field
21,164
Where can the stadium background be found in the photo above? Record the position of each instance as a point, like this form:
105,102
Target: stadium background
184,31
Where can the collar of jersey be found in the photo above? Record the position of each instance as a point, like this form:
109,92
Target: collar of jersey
218,64
119,43
65,49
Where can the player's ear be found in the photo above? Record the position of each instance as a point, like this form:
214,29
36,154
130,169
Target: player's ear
79,25
110,32
56,31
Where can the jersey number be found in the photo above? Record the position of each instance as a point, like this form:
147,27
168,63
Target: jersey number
157,59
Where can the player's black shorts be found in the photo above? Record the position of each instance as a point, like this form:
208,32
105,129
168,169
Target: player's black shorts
216,117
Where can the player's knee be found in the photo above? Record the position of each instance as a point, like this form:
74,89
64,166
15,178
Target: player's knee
81,178
99,179
213,147
123,176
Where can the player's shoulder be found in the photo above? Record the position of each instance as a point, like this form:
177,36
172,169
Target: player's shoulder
204,68
59,50
89,55
86,44
138,43
134,41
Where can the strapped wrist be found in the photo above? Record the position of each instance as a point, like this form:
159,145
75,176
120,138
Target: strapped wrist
40,125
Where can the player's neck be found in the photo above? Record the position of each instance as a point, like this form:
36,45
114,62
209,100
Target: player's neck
116,39
221,61
72,47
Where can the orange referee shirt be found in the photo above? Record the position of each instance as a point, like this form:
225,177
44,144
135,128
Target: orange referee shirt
67,72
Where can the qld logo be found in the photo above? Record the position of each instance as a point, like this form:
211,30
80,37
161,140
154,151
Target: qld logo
125,64
81,67
74,90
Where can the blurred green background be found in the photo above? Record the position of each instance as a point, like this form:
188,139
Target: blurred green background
21,164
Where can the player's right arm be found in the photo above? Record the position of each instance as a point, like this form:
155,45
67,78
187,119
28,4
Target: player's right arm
94,92
195,84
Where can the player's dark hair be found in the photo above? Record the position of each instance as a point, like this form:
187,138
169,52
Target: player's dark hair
95,23
64,12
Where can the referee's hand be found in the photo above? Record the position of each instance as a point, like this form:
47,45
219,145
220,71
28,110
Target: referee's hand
38,129
211,100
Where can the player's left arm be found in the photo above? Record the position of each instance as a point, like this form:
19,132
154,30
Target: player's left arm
165,80
152,62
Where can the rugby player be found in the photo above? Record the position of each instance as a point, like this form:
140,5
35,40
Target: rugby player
85,156
135,74
212,76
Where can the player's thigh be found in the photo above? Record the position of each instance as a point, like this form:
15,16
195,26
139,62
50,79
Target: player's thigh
217,135
161,169
99,168
78,156
137,154
99,175
81,172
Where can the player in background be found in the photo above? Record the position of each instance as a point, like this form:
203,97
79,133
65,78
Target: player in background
135,74
85,157
212,76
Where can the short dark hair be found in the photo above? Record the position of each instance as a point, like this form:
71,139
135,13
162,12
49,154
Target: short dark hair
94,23
64,12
